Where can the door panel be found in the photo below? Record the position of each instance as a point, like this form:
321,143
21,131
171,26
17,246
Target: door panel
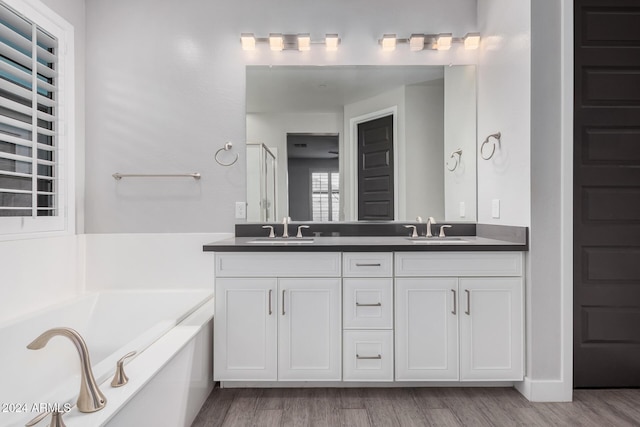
426,329
245,329
375,169
309,329
491,328
607,194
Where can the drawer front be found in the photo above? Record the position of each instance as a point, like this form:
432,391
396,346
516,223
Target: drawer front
367,303
368,264
368,356
460,264
278,264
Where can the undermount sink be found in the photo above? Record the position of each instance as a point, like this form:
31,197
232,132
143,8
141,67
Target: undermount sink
280,240
437,240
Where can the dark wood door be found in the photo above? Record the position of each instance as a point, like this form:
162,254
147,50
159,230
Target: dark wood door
375,169
607,194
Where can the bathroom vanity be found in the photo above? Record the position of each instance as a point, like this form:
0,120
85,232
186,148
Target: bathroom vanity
369,309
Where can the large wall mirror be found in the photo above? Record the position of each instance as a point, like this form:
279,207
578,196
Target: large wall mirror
353,143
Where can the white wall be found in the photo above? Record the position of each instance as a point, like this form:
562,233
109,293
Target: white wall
149,261
460,112
166,83
37,273
549,298
272,129
504,100
424,148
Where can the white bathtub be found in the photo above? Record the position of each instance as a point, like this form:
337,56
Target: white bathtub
159,325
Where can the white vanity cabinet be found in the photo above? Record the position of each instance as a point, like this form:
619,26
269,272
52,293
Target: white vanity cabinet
459,316
367,313
278,317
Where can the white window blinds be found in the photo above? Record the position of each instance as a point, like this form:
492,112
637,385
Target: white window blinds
28,118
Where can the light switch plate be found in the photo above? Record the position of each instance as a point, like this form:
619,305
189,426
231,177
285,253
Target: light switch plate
495,208
462,210
241,210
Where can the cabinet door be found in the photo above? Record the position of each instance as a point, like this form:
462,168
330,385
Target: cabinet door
309,328
245,329
491,335
426,329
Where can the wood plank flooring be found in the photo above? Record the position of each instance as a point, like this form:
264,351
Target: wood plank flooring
361,407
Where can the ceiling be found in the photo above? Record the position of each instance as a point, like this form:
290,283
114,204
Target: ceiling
324,88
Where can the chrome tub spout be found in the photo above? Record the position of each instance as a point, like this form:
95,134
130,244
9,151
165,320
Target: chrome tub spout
90,398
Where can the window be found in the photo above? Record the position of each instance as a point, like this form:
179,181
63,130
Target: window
35,141
325,195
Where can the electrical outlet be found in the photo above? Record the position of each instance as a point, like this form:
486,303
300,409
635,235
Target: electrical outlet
462,210
495,208
241,210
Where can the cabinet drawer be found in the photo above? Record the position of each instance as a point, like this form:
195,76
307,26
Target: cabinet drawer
367,303
278,264
368,264
460,264
368,356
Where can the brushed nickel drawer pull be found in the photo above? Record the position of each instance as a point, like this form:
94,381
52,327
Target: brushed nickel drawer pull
283,302
455,308
369,357
468,312
378,304
365,264
270,292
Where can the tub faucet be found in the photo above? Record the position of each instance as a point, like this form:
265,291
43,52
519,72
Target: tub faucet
90,398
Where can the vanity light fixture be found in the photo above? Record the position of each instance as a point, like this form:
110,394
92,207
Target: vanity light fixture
248,41
388,42
304,42
332,41
444,41
418,42
472,41
279,42
276,42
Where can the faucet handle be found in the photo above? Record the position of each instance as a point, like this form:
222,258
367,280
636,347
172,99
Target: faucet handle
271,233
415,230
300,227
120,378
56,419
442,230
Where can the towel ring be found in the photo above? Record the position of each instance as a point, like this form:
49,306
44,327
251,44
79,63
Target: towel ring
493,147
455,159
226,147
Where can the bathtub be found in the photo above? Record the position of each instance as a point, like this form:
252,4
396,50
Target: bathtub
163,327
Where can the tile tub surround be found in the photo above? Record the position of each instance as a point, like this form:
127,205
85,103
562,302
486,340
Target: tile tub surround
375,237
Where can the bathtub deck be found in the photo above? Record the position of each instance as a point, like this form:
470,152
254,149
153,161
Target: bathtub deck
414,407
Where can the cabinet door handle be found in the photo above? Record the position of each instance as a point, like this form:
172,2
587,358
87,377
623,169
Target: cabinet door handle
364,264
270,311
283,302
468,312
378,304
368,357
455,304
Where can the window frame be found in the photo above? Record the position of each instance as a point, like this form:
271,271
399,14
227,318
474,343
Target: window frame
25,227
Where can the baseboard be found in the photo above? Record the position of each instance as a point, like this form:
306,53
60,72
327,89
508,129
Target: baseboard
351,384
545,390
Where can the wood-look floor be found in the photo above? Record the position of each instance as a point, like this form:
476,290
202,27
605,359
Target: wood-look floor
414,407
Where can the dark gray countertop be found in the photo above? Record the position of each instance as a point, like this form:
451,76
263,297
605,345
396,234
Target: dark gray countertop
367,244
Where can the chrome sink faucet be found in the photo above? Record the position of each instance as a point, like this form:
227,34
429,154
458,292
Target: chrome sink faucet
90,398
285,226
430,220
